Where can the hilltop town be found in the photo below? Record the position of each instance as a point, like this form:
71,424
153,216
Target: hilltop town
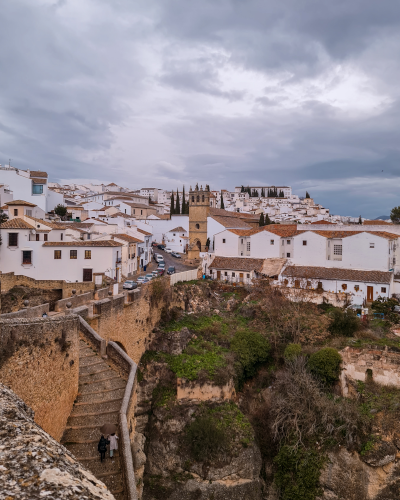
229,338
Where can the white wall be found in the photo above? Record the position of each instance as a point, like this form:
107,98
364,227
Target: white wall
230,247
176,241
160,227
44,266
53,199
21,185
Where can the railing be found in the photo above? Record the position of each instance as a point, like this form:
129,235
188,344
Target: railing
115,353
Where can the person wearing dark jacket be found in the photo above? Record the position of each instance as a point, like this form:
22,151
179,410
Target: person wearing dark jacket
102,447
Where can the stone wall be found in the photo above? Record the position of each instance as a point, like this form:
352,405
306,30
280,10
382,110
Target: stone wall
28,312
194,392
9,280
39,361
130,319
381,363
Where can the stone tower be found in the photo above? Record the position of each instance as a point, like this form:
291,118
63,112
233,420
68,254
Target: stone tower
199,206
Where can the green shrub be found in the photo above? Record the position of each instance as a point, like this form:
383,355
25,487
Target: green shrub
205,438
292,351
251,349
344,322
298,472
325,364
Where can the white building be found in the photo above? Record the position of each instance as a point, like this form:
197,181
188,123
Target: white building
177,239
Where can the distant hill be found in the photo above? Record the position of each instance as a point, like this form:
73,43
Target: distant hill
383,217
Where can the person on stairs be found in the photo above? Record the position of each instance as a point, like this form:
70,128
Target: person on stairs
102,447
113,443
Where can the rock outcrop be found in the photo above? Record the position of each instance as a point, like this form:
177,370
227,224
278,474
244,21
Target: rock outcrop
33,464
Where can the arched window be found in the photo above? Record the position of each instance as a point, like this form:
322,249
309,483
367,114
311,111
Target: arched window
202,198
193,199
197,226
198,198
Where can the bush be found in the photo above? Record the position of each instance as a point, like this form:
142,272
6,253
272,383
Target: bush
292,351
325,364
251,349
298,472
344,322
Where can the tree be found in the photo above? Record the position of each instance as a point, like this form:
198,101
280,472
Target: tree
183,201
172,207
395,215
177,204
149,199
281,194
3,217
242,189
208,243
307,195
261,221
60,210
267,220
360,220
325,364
222,202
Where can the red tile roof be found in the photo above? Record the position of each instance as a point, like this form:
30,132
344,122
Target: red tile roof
20,202
323,222
87,243
127,237
237,264
144,232
331,273
377,223
16,223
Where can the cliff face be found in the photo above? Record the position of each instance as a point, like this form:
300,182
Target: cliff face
33,464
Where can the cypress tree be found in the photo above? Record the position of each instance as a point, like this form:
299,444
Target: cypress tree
177,206
183,201
262,193
222,202
360,220
242,190
307,195
261,221
172,207
267,220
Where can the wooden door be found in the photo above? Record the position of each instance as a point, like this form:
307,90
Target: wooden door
87,275
241,277
370,293
218,275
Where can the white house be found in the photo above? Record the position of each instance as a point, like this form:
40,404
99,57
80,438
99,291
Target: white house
129,256
31,186
176,239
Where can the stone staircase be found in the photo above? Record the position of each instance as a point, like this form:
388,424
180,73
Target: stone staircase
99,399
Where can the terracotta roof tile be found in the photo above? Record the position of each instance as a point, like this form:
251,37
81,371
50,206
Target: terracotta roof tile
16,224
87,243
231,222
20,202
127,237
178,229
144,232
329,273
323,222
38,173
377,223
237,264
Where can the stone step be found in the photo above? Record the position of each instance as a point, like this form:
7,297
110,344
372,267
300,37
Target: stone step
98,375
113,482
102,392
97,406
88,359
107,384
80,433
85,371
94,458
108,467
82,419
97,380
106,395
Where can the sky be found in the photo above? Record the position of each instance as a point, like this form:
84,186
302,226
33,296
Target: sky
162,93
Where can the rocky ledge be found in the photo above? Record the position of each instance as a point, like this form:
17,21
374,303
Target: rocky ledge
33,465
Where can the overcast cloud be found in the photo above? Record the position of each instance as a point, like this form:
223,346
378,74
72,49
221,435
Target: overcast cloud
224,92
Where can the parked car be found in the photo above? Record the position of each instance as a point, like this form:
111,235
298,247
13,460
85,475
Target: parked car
167,250
129,285
161,264
160,270
161,247
154,244
141,280
159,258
176,255
171,270
155,274
149,276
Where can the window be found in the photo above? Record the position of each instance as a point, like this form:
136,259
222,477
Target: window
57,254
198,198
383,289
248,246
45,237
233,275
197,226
288,255
308,284
223,241
283,242
62,236
297,283
225,273
288,242
141,212
248,275
304,243
242,241
26,257
37,189
192,199
272,242
73,254
173,234
319,287
285,282
344,286
15,211
337,249
88,254
38,237
12,239
372,245
356,287
202,198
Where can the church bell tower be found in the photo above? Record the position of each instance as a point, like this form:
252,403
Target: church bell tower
199,206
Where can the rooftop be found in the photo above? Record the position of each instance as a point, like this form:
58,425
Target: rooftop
87,243
237,264
329,273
